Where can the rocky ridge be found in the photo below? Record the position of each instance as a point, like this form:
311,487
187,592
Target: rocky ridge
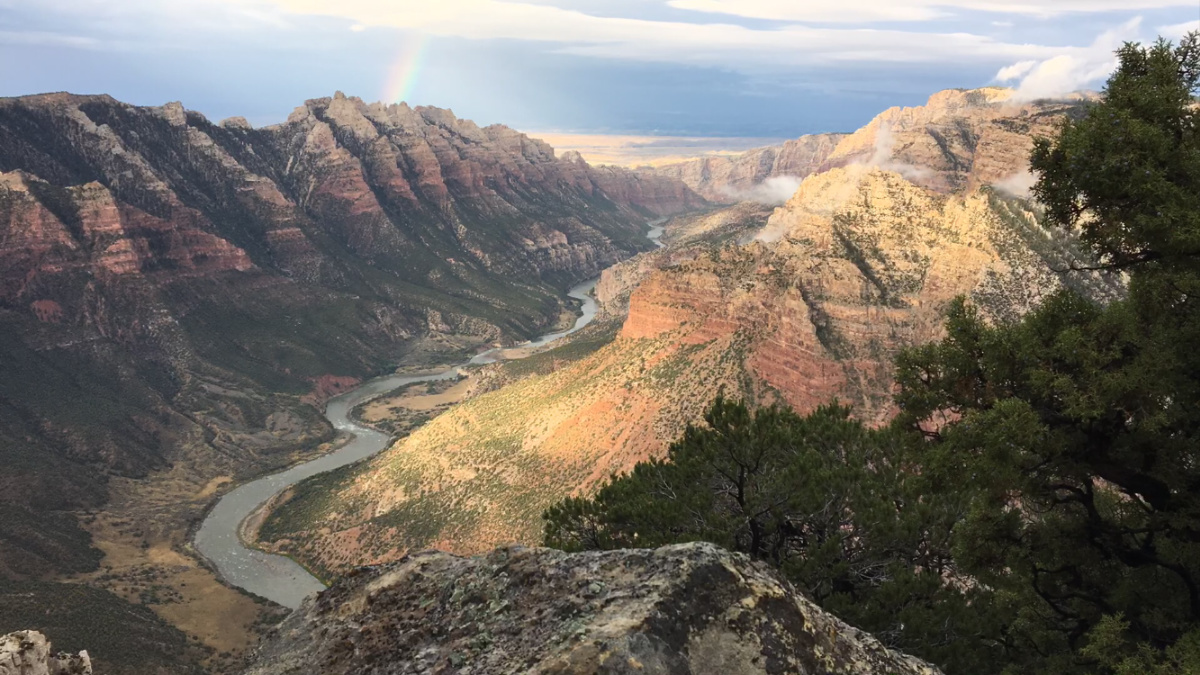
732,179
691,609
960,140
178,297
28,653
859,263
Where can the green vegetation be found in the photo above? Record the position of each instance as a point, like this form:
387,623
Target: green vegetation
122,638
1035,507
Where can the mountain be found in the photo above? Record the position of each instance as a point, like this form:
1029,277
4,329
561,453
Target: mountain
729,179
959,140
691,609
178,297
859,263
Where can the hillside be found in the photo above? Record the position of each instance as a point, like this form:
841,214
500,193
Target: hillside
178,296
859,263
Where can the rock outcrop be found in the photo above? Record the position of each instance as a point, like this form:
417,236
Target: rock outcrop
28,653
960,140
691,609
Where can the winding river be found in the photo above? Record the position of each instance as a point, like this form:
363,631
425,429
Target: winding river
280,578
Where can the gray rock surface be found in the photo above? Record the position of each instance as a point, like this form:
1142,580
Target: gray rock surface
28,653
690,609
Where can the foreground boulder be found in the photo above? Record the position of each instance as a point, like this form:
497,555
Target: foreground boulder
691,609
28,653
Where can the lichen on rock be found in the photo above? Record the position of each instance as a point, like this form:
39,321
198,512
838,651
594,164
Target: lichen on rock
689,609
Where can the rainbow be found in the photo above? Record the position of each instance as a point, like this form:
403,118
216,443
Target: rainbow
403,73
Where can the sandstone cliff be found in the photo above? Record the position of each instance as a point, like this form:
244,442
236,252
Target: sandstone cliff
481,475
732,179
28,653
960,140
682,610
860,263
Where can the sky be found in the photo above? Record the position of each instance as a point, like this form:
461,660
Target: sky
750,68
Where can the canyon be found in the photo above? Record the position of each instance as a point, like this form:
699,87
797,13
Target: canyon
803,306
179,297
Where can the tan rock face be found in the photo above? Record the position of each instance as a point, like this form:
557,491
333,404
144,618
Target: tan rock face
959,140
681,610
731,179
28,653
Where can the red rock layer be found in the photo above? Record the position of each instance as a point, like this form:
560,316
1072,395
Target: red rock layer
167,283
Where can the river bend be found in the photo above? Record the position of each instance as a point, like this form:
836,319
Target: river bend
279,578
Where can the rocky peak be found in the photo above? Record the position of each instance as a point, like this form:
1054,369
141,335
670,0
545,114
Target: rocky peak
691,609
172,112
960,140
28,653
951,99
573,156
236,123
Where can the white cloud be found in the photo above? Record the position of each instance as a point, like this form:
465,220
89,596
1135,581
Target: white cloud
1016,71
713,44
1070,71
884,157
910,10
772,192
1176,31
1019,184
47,39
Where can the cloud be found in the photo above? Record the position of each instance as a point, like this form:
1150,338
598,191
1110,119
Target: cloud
44,39
883,157
1072,71
706,44
910,10
1020,184
1176,31
772,192
1016,71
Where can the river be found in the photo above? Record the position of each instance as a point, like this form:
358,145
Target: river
279,578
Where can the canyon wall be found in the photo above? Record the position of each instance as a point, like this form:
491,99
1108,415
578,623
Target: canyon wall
726,179
178,297
861,262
